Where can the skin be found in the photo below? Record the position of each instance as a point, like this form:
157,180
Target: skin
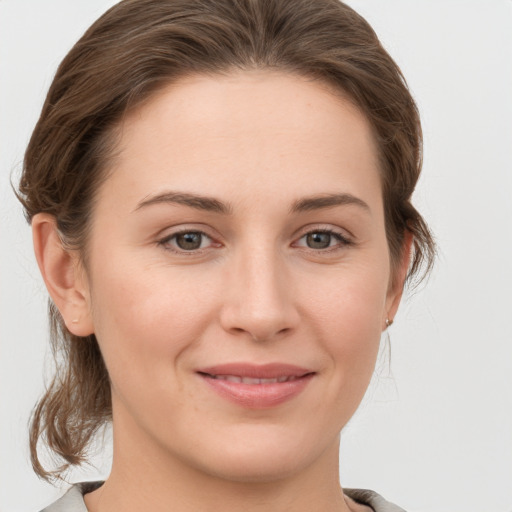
258,142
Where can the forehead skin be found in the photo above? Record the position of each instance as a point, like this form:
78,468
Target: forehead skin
253,122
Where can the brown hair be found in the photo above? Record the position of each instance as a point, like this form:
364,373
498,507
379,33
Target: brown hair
137,47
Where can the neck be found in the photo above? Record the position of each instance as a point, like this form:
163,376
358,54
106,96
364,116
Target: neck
144,477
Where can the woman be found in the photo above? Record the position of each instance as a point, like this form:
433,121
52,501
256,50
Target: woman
219,193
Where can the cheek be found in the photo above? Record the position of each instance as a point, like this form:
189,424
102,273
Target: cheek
144,317
349,302
348,311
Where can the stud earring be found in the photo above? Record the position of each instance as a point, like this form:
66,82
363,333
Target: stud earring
389,322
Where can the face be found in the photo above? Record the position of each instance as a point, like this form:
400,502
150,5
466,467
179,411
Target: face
238,273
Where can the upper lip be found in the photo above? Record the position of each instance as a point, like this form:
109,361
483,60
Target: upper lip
256,371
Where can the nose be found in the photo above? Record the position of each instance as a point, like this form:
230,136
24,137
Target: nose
259,300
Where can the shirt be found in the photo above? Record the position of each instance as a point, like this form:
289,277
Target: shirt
73,500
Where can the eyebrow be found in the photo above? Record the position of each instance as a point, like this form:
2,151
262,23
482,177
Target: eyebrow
209,204
327,201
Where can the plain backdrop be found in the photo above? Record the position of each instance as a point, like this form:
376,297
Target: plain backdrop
435,432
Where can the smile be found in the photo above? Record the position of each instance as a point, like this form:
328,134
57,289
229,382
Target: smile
252,380
256,386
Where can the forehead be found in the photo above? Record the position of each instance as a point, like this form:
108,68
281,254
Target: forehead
245,129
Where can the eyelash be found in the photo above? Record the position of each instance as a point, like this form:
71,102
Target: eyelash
342,240
166,242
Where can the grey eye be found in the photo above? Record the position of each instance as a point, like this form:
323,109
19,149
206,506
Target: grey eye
189,241
318,240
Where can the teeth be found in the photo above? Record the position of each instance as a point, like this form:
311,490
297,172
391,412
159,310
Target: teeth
252,380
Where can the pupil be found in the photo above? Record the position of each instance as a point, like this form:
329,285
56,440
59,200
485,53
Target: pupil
318,240
189,241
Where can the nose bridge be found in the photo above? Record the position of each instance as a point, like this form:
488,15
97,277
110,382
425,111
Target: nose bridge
259,300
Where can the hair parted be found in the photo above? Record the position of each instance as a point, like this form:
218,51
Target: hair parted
133,50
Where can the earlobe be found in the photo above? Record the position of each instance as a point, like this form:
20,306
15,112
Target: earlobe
62,274
396,288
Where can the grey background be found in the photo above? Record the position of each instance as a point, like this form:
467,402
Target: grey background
435,433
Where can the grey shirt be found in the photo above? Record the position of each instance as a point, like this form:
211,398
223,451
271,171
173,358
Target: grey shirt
73,500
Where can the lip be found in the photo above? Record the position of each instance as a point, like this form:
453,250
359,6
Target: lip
256,386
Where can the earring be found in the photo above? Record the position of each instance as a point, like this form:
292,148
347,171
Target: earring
389,322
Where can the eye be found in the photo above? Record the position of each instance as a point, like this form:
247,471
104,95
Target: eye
322,239
186,241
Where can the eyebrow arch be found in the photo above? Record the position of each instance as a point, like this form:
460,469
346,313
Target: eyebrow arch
198,202
327,201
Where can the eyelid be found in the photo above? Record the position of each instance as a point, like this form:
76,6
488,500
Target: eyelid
187,227
164,241
341,235
326,228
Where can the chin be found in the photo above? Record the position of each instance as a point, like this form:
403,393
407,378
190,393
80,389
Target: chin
262,458
255,469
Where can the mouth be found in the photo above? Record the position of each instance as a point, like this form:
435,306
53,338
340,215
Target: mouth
257,386
252,380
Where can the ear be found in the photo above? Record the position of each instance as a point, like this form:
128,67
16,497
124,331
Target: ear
396,286
63,275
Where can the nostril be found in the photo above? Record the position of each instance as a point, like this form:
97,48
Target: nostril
261,335
261,312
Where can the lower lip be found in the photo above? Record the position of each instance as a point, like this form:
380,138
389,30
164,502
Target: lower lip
258,396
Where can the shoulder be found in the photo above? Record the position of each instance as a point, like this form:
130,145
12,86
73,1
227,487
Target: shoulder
73,500
371,499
